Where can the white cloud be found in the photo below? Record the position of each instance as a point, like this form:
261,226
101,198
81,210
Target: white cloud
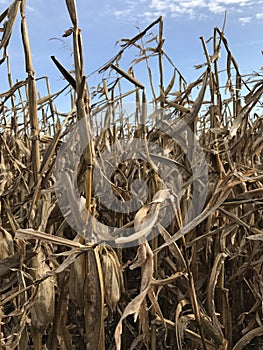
214,7
244,9
159,5
120,13
245,20
149,16
30,8
231,2
193,3
259,15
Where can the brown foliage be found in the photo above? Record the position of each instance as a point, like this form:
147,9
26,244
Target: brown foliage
200,281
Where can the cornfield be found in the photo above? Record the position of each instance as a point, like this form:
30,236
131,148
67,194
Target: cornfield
185,278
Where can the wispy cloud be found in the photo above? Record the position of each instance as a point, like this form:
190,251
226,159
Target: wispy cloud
120,13
238,2
215,7
245,9
245,20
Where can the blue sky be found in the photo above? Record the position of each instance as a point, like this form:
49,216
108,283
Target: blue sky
104,22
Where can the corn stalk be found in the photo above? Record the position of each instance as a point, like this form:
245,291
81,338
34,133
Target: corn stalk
32,94
93,285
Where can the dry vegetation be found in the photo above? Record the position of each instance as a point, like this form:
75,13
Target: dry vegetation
197,285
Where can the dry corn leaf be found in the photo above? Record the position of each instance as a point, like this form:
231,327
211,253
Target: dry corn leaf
64,72
76,281
246,339
42,311
145,218
128,76
144,260
180,327
94,290
12,13
6,244
112,276
218,265
71,5
33,234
